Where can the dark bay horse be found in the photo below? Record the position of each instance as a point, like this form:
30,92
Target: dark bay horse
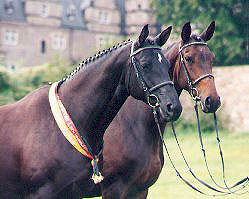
133,152
36,161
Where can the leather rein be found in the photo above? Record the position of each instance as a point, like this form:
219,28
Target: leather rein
222,190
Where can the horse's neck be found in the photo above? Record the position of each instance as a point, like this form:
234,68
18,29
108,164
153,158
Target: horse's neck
86,95
172,56
114,106
140,123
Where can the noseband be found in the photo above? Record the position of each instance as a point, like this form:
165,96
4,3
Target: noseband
192,83
152,99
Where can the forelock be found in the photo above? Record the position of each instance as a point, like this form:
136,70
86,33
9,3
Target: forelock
150,41
196,38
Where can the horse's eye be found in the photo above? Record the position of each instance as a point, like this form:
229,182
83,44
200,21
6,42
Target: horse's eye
146,66
189,60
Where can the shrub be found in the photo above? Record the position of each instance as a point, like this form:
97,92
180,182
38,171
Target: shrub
25,80
4,81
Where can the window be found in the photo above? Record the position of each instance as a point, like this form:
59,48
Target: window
44,10
43,47
71,12
92,3
102,42
10,66
85,4
103,17
10,38
13,67
23,4
58,42
9,7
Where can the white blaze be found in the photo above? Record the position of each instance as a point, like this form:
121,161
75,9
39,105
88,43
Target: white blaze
159,58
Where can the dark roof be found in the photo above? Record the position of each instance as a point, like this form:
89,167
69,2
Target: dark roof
73,13
12,10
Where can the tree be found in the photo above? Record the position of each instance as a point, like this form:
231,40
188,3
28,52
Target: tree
230,42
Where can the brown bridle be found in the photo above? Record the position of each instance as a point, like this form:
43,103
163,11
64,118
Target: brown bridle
192,83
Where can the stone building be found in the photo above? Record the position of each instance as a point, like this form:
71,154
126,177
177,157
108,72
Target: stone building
32,32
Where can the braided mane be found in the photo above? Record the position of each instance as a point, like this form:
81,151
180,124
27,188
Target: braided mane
93,58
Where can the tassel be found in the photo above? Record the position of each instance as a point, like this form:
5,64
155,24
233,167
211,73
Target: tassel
97,179
97,176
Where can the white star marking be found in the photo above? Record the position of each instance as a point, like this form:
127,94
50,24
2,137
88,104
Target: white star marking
159,58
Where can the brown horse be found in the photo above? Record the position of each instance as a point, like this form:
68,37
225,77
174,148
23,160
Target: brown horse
36,161
133,152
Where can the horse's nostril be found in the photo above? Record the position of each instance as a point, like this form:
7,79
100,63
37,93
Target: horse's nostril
211,104
170,107
218,102
208,102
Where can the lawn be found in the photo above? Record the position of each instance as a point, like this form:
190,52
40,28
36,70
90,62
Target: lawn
236,154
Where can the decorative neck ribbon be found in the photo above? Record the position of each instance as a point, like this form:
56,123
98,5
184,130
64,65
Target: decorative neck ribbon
69,130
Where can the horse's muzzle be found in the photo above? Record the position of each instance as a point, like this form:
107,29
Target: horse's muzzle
210,104
171,112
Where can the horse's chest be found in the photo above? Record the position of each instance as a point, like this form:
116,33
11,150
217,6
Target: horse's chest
152,169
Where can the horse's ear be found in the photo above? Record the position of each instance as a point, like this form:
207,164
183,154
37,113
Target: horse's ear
144,34
186,32
163,36
209,32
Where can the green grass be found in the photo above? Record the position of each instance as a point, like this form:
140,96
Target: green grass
236,153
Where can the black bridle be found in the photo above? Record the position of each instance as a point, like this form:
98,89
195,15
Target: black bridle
192,83
152,99
226,190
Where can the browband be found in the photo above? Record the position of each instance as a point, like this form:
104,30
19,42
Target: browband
141,49
190,44
161,85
